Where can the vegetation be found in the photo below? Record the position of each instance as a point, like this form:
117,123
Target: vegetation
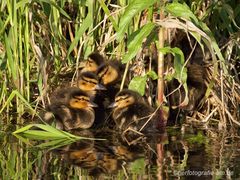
40,40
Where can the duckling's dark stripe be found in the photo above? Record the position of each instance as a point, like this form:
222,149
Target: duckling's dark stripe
82,98
105,72
123,98
89,81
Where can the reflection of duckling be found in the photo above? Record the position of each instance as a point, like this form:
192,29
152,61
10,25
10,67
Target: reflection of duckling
93,62
73,108
88,82
131,111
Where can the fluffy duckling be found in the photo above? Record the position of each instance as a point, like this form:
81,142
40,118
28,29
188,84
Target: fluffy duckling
94,61
88,82
110,73
131,111
73,108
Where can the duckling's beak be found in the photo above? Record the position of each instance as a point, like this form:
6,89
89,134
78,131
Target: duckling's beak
113,105
100,87
92,104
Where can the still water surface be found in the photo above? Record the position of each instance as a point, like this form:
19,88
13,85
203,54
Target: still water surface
185,153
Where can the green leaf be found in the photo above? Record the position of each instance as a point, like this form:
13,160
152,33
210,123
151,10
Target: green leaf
180,70
51,130
83,27
25,128
55,5
43,131
57,137
55,143
181,10
136,39
135,6
11,96
152,74
41,135
138,84
107,12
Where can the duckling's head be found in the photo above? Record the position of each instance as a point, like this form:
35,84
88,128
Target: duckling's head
108,73
80,100
88,82
126,98
93,62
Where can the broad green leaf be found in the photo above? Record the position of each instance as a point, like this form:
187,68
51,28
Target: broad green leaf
135,6
181,10
166,50
136,41
83,27
152,74
138,84
180,70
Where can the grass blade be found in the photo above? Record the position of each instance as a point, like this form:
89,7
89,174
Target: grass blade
135,6
84,26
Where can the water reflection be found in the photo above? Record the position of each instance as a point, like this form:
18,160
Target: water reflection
192,154
112,155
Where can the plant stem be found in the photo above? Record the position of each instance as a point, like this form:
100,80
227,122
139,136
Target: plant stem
161,40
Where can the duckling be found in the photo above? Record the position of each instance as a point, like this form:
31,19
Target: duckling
73,108
110,73
94,61
88,82
131,111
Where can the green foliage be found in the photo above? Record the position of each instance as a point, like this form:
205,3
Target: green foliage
182,11
138,166
46,132
179,66
134,7
193,139
135,41
85,25
138,83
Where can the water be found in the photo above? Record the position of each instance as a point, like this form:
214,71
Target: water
179,153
